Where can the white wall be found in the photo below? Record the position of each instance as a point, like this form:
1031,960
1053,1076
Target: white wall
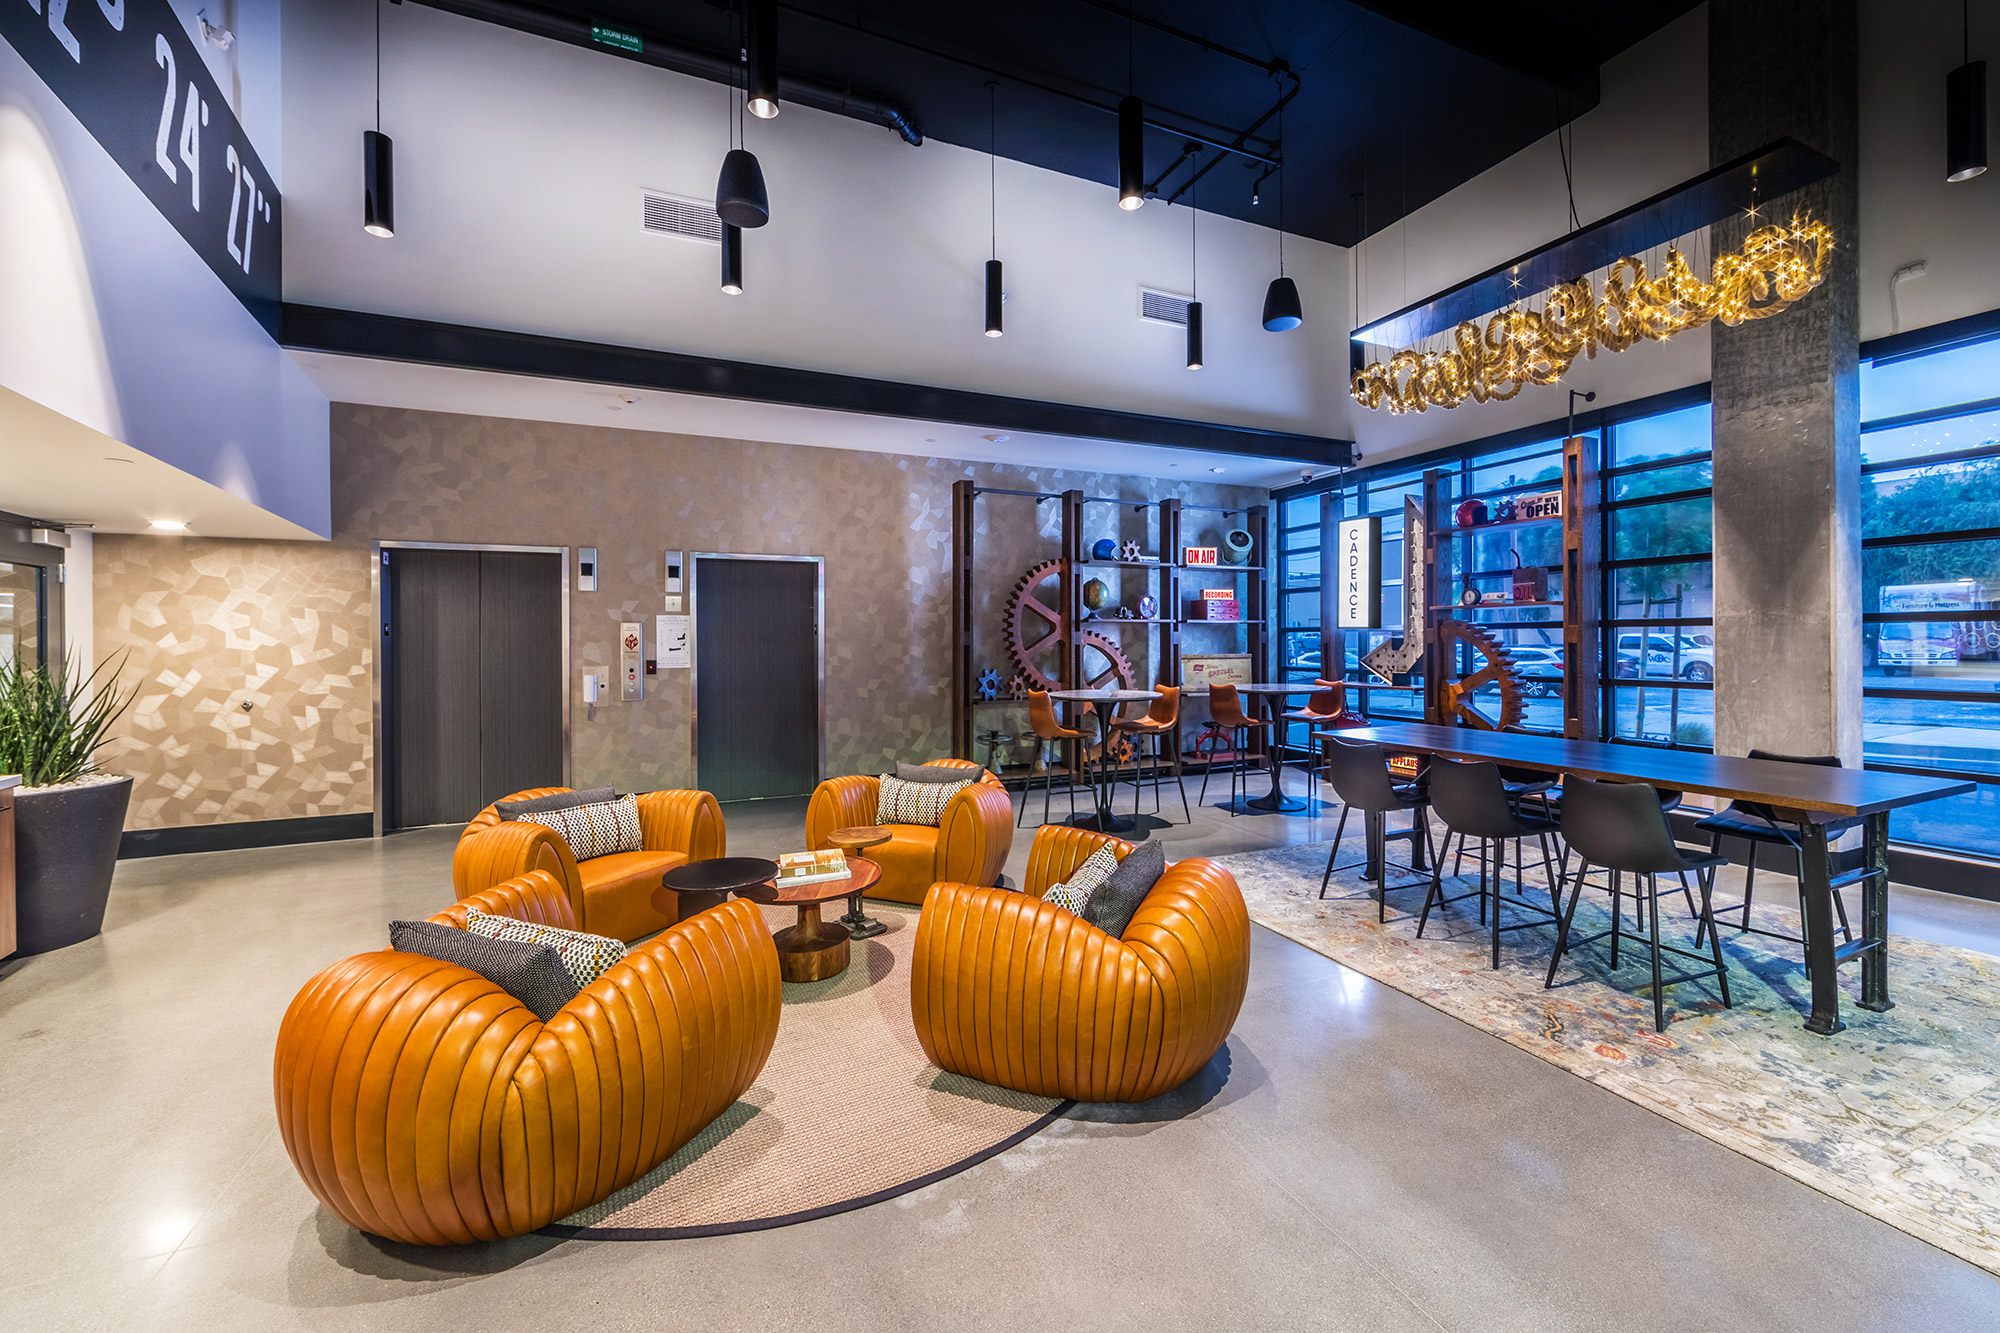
128,332
249,71
519,167
1648,133
1909,211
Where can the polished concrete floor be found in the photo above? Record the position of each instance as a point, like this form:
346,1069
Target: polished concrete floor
1354,1159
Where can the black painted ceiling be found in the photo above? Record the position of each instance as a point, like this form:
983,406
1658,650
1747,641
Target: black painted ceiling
1399,100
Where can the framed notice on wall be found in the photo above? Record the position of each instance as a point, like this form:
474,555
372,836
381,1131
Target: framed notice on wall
1359,552
1199,671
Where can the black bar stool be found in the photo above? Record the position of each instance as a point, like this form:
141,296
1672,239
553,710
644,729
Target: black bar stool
1761,825
1359,772
1620,826
1473,801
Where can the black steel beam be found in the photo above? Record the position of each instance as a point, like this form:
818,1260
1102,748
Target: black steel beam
392,338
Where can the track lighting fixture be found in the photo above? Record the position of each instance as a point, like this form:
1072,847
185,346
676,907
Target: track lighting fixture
1131,153
994,293
378,159
1282,311
1965,112
732,260
763,57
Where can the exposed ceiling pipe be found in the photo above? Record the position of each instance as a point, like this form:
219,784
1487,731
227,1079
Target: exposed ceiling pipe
674,54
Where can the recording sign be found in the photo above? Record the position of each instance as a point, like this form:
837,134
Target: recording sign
1359,552
128,70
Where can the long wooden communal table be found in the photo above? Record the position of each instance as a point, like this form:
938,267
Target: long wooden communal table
1812,794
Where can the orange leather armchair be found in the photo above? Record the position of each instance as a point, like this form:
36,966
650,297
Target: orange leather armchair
969,844
1010,990
609,895
422,1103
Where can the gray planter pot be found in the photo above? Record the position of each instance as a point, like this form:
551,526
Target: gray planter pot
65,848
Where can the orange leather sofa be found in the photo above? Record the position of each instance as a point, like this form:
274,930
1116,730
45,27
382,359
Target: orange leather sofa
1010,990
969,845
609,895
424,1104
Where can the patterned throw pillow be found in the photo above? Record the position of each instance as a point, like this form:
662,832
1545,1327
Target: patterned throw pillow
562,800
595,830
1113,906
532,973
935,772
915,802
584,957
1073,894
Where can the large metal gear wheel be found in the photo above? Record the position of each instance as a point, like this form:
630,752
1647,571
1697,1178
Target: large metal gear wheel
1457,692
1035,635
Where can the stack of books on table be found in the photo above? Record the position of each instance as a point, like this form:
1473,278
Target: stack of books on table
811,867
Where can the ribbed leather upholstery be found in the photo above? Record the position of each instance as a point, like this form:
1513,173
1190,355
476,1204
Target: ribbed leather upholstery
422,1103
610,895
969,845
1013,991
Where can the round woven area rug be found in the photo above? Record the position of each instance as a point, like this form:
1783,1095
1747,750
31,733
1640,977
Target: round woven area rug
847,1112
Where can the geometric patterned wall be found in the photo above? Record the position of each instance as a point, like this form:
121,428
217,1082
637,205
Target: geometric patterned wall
289,628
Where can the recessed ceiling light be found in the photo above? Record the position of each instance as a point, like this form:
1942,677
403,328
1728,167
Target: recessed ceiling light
1215,469
998,439
170,524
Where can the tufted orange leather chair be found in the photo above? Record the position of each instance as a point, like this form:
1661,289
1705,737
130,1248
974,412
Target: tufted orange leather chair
424,1104
1008,989
969,844
610,895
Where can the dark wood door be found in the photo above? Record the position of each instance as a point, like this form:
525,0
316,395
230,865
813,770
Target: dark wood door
756,645
472,680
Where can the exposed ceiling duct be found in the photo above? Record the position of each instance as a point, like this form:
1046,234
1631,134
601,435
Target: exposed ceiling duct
671,53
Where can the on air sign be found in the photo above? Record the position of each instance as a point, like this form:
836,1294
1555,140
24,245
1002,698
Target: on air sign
1359,552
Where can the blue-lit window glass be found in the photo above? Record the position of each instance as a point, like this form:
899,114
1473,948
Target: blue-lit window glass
1668,435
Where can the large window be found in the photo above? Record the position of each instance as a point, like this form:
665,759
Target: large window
1930,583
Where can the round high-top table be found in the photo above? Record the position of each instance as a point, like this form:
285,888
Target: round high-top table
700,885
1104,820
853,842
1272,694
814,950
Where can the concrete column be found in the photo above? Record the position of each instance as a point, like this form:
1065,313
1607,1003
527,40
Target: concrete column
1787,404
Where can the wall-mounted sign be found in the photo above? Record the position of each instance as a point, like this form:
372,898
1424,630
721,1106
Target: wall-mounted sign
670,638
1359,552
1198,555
131,74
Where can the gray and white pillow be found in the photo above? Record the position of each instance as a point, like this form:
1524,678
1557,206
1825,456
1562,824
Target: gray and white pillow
532,973
1074,894
935,773
900,802
1113,906
598,829
562,800
584,957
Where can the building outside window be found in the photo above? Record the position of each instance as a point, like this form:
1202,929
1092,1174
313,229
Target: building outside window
1930,584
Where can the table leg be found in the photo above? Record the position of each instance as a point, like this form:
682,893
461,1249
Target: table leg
812,950
1814,860
1374,822
1875,915
1274,752
1103,783
859,925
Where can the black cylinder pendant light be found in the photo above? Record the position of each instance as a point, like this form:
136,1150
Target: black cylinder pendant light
993,298
378,159
994,293
1194,335
1131,153
1282,311
1194,268
1965,113
763,53
732,260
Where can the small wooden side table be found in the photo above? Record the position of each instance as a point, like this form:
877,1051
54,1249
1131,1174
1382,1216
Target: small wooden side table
853,842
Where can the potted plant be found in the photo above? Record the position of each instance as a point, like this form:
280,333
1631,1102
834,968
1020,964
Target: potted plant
68,816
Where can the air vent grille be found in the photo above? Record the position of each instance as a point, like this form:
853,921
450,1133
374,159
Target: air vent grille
1163,307
674,215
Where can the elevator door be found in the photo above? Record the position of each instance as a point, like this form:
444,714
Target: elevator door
756,646
473,683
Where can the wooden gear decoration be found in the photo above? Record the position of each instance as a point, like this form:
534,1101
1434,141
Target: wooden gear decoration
1456,693
1034,627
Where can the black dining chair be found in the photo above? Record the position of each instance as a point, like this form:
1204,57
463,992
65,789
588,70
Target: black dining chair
1359,772
1620,826
1472,801
1762,825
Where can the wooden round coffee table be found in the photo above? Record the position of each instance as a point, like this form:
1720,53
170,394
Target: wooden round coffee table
853,842
700,885
814,950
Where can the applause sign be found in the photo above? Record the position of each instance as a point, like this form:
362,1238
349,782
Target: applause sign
128,70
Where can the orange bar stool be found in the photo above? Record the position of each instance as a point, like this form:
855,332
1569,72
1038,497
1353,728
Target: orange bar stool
1225,712
1162,719
1325,708
1042,719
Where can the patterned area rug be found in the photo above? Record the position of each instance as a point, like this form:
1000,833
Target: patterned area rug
1899,1115
846,1113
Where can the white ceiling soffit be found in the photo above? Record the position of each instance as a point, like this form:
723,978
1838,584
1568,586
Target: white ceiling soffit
346,379
56,469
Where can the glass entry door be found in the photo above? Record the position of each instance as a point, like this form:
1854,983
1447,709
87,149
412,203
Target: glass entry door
21,613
